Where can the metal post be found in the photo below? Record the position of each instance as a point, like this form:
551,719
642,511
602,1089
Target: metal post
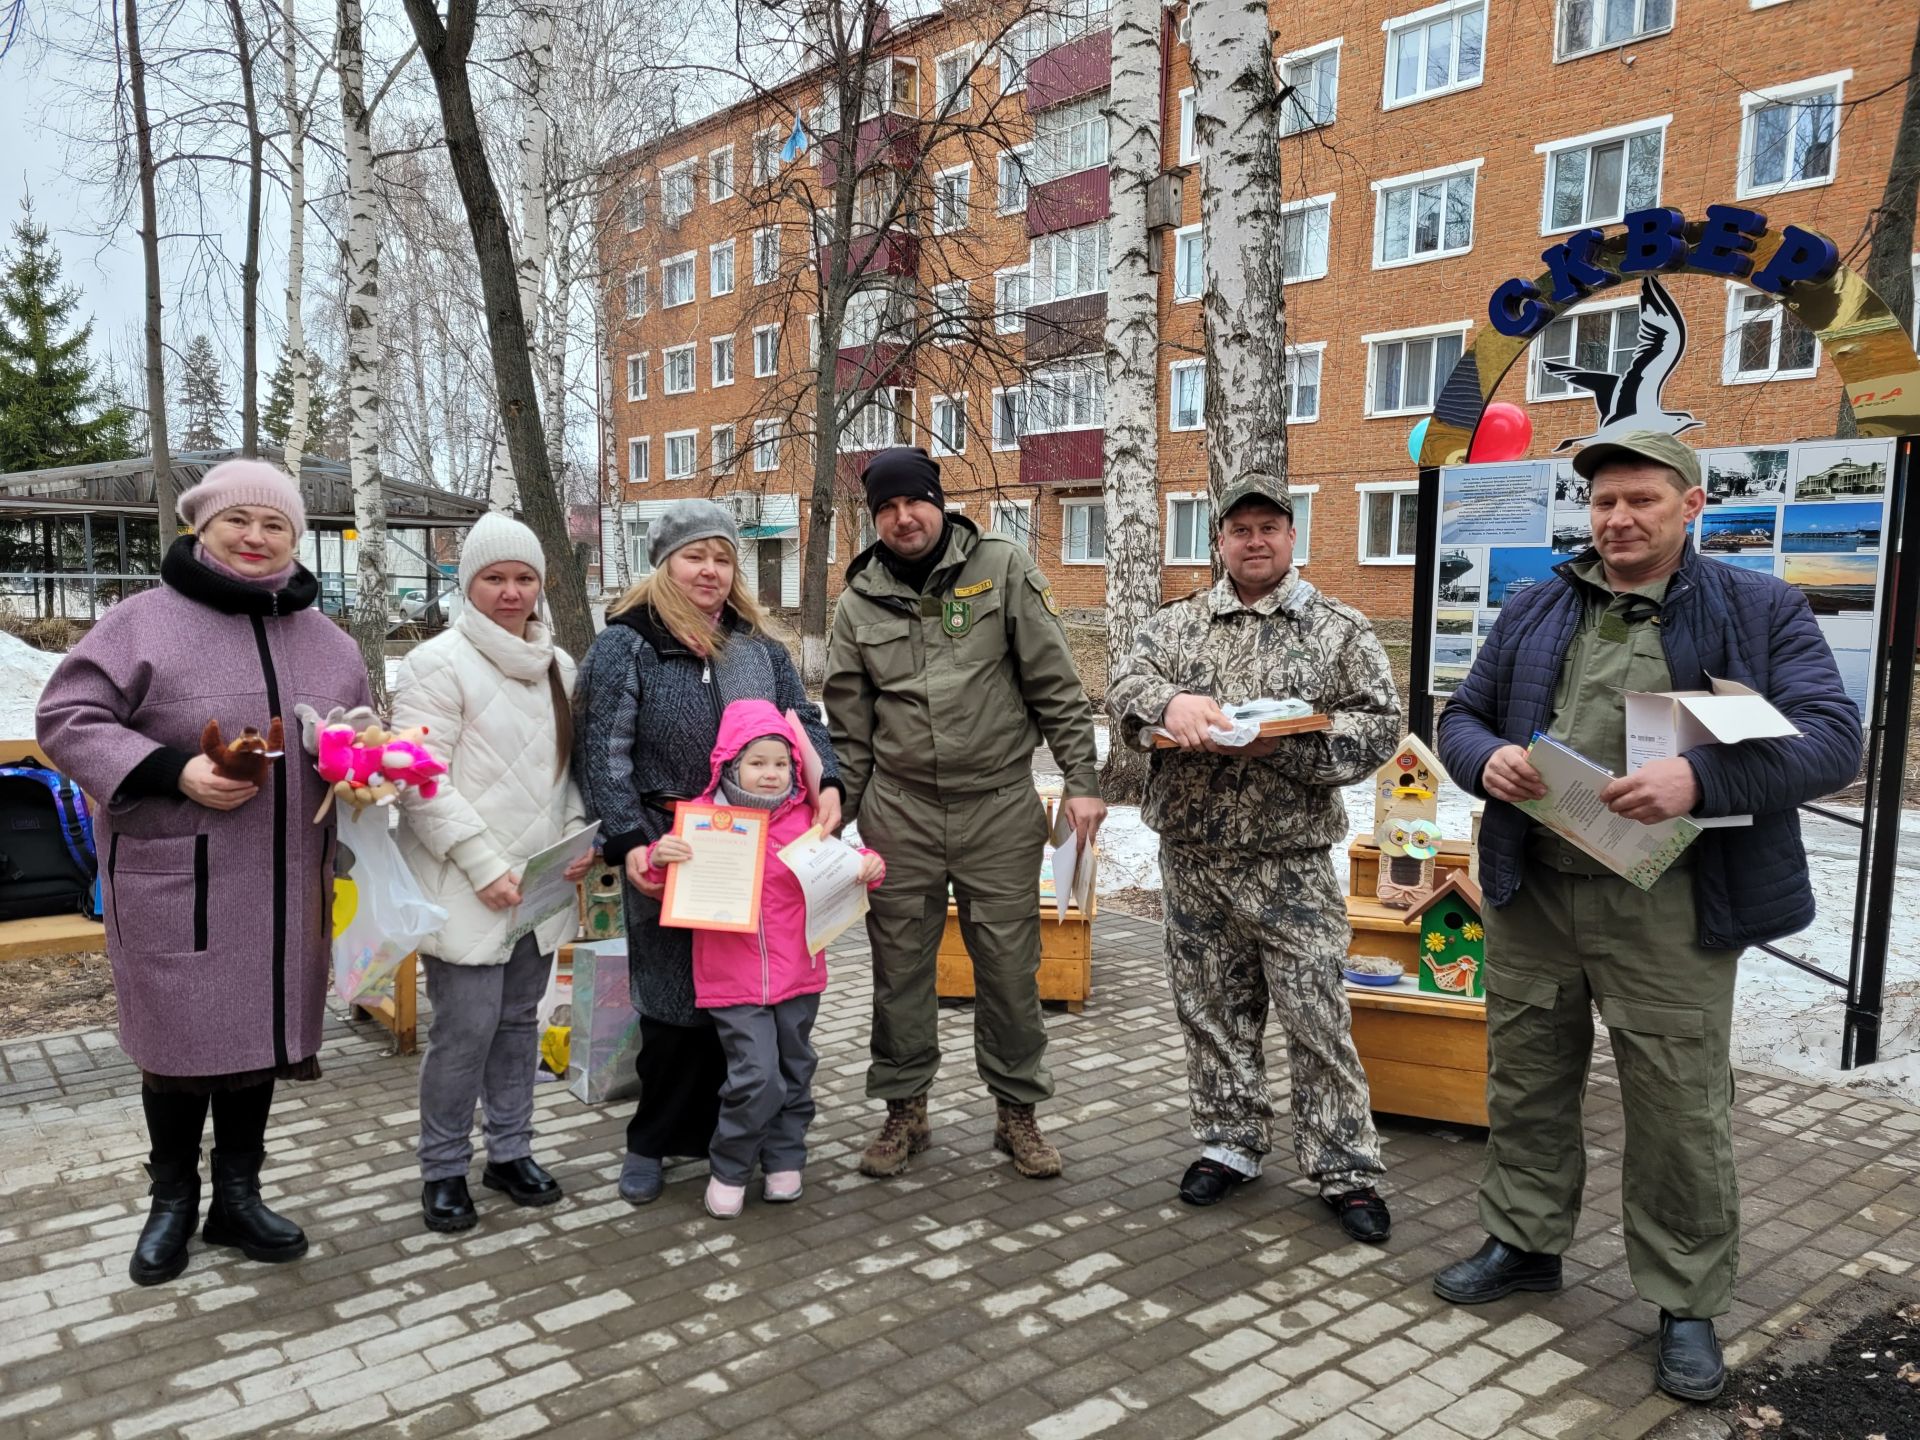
93,584
1426,565
1860,1037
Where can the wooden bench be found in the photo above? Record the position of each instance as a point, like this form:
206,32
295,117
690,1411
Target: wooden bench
40,935
400,1014
1066,955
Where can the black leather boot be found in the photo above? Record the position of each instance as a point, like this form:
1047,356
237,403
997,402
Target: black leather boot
1496,1269
523,1180
447,1206
237,1218
1690,1364
161,1251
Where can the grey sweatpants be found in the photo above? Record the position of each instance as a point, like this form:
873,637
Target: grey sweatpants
483,1046
766,1103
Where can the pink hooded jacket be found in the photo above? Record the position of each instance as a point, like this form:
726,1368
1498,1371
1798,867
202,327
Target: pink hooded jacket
774,965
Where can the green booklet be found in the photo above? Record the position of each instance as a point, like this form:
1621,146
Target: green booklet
1572,810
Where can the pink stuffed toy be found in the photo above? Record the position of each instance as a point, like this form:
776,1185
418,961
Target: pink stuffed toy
368,767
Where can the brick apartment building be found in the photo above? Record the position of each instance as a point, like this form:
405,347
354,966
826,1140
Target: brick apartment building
1434,152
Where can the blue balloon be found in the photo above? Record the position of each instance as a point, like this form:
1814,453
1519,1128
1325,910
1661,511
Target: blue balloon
1417,438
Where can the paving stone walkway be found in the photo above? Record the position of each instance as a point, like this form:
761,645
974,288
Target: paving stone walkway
958,1301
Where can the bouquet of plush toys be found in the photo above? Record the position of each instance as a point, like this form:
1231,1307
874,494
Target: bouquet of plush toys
364,762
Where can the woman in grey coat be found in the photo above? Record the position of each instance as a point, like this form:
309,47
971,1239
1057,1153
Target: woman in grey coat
217,890
679,647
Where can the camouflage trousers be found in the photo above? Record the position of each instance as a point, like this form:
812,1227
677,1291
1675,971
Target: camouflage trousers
1243,928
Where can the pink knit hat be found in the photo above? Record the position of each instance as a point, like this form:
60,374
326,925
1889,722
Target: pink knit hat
243,482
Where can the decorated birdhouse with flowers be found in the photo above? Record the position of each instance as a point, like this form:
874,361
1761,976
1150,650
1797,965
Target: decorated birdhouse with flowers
1453,944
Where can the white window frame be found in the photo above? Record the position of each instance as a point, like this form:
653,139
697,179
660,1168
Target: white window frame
1070,367
639,459
714,253
1535,357
667,357
1202,534
765,148
1393,487
1021,41
958,100
1302,528
1023,509
719,164
1294,57
670,178
1006,321
1318,350
691,448
937,443
1189,150
1417,332
1175,371
633,207
634,534
998,439
637,376
1092,507
1101,269
1017,154
1392,27
1754,101
766,446
1550,150
1062,130
940,317
1305,207
637,292
723,465
1635,38
1730,371
1439,173
945,198
1189,235
760,236
716,346
667,266
766,338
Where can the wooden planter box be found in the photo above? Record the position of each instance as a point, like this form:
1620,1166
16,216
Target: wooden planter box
1066,956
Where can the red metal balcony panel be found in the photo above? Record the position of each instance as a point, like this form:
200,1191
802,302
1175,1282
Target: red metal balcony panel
877,254
1066,327
1078,199
1069,71
875,364
889,139
1062,456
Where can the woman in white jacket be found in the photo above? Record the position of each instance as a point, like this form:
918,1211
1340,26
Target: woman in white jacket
494,695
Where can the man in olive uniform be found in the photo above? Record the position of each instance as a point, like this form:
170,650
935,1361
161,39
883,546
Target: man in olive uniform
1641,610
1253,909
946,666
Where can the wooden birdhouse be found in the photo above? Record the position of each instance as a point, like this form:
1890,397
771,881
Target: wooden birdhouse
1453,945
1408,785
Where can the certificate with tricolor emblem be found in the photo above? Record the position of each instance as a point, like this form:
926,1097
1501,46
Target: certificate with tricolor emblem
719,888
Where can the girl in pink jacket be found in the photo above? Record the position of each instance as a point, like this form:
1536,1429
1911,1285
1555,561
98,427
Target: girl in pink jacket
762,990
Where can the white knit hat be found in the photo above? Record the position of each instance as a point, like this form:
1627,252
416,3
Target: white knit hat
496,537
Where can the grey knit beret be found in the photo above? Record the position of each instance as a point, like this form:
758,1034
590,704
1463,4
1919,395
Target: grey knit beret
685,521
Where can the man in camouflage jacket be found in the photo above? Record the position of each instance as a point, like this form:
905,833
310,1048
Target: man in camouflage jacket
1253,908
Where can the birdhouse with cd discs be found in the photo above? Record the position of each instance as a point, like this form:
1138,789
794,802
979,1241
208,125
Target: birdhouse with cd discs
1408,784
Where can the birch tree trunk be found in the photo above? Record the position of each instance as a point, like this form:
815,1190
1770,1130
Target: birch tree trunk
363,382
530,264
165,493
1132,460
611,488
297,361
1237,133
554,334
250,263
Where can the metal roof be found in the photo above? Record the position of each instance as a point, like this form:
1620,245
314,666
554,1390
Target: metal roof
125,487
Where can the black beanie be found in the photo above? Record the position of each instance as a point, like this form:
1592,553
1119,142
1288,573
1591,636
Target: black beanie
902,470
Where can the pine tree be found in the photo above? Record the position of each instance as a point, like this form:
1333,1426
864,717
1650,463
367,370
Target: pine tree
203,396
51,410
277,418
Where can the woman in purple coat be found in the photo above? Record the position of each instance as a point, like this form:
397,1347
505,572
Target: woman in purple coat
218,891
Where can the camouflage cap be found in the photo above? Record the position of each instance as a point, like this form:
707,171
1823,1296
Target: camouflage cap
1255,485
1655,445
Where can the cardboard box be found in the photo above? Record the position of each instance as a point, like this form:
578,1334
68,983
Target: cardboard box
1666,723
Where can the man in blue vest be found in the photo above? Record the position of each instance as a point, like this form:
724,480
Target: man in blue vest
1641,610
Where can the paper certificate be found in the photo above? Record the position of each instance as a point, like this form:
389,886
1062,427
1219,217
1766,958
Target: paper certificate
545,890
1572,810
829,874
719,888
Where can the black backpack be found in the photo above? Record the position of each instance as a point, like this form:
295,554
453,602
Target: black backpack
47,861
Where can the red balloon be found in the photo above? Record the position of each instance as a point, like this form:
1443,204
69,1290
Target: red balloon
1505,432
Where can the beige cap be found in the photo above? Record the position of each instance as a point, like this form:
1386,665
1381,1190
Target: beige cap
1255,485
1655,445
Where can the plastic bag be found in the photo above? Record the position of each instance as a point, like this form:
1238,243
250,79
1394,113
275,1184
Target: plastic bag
606,1028
380,915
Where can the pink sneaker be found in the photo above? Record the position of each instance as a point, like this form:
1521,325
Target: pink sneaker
782,1187
724,1200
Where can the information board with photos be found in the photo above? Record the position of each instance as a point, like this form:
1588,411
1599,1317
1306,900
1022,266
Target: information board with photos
1813,514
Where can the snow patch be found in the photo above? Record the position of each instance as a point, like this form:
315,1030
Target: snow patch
24,672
